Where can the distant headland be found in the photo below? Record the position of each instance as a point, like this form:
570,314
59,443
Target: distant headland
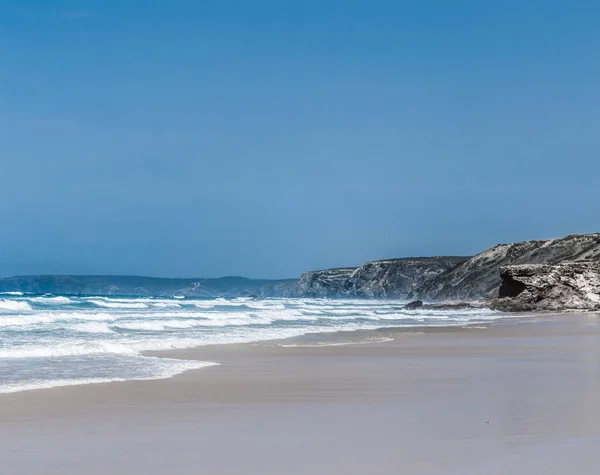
554,274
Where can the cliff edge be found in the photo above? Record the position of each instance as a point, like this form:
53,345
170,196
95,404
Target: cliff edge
479,278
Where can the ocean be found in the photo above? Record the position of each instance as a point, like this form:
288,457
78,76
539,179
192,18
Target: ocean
54,340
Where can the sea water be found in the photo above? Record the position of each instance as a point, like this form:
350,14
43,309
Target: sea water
55,340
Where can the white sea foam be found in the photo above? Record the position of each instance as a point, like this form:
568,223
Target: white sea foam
118,304
166,305
52,349
150,325
368,341
14,305
93,339
24,320
187,323
178,367
48,318
51,300
216,303
92,327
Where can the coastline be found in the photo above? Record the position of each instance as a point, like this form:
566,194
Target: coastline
513,396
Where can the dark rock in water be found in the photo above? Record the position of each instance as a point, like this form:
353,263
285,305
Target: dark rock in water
478,277
565,286
393,278
413,305
450,306
418,304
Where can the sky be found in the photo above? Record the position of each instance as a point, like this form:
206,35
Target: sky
266,138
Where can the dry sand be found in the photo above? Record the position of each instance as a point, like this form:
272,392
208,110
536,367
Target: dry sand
518,397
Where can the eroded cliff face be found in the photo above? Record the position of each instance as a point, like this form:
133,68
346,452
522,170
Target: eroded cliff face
393,278
328,283
566,286
398,278
479,277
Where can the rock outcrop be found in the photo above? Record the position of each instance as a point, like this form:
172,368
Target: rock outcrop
419,305
566,286
392,278
479,278
414,305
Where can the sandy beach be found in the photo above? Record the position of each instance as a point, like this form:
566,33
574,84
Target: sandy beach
519,396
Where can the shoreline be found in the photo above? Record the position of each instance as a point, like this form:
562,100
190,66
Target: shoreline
516,396
217,356
322,339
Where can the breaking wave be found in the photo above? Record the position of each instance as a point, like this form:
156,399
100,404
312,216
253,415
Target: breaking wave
56,340
14,305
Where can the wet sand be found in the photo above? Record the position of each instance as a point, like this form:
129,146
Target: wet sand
518,397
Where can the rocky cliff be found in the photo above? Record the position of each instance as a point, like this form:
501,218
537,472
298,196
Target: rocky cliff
479,277
398,278
566,286
425,278
328,283
393,278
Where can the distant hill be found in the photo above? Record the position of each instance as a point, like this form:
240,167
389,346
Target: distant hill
146,286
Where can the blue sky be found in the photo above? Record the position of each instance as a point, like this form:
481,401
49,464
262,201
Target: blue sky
265,138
